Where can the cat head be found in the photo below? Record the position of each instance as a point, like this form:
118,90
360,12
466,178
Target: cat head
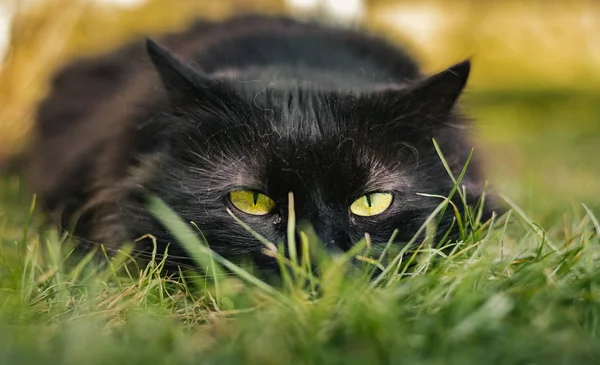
355,161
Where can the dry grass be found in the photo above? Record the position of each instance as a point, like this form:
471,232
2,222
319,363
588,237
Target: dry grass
528,44
50,33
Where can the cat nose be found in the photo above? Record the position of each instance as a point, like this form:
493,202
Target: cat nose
333,247
334,240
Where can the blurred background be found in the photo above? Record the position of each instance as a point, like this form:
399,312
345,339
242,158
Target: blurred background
535,86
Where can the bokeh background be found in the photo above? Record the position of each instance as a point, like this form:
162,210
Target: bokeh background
535,86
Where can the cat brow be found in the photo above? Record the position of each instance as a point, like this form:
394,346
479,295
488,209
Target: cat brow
381,178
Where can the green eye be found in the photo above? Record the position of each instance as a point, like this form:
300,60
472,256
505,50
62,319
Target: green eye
251,202
371,204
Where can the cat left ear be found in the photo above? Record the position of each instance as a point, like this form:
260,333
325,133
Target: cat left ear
436,95
179,80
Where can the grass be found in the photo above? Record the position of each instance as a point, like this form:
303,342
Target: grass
508,292
523,290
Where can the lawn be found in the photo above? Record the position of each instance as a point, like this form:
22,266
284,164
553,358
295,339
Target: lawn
522,289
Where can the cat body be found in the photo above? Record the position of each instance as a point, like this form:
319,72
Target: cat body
261,106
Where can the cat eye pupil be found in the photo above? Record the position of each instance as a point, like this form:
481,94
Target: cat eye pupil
368,198
255,197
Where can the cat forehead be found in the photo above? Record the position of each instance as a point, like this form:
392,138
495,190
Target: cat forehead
302,161
304,111
272,173
300,121
301,139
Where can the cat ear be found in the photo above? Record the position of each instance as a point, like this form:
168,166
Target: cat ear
421,108
434,96
180,81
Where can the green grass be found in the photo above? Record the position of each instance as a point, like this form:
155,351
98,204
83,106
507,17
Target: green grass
513,291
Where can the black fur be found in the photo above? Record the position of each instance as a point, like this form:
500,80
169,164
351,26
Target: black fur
268,104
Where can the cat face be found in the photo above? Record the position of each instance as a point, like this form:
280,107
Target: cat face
354,161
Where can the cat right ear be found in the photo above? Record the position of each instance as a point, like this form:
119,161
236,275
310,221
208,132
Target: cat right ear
436,95
425,105
181,81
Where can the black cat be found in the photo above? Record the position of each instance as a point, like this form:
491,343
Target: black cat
236,115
